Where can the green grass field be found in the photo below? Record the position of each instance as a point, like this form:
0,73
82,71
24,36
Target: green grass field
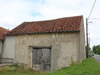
87,67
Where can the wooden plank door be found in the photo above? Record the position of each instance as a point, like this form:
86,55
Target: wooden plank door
42,57
46,60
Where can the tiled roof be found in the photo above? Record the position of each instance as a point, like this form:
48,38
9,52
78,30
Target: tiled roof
67,24
2,32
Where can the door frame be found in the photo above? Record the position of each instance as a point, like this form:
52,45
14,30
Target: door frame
41,47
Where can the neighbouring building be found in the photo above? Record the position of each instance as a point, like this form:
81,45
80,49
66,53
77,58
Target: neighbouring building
47,45
2,32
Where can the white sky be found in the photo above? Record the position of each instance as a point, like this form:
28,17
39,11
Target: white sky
14,12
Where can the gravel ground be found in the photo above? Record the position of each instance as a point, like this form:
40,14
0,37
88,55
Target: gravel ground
97,57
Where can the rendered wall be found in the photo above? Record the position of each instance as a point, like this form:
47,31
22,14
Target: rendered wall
9,47
82,43
65,48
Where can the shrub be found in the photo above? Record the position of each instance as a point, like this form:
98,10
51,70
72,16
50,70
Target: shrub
5,69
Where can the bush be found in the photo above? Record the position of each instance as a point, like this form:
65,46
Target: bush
5,69
15,68
96,49
15,65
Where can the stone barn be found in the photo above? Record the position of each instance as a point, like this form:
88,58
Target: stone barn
47,45
2,32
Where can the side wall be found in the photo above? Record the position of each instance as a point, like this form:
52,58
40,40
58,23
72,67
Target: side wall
9,47
65,48
82,43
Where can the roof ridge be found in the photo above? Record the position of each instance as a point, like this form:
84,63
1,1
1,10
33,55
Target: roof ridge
53,19
3,28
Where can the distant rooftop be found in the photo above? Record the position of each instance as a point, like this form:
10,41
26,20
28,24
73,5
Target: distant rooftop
2,32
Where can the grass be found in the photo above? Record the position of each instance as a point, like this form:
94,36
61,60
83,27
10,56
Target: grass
87,67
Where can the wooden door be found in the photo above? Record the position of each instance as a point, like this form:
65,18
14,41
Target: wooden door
42,57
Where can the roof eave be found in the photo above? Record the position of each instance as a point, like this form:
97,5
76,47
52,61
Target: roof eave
43,33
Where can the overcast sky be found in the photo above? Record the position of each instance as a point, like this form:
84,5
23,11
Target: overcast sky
14,12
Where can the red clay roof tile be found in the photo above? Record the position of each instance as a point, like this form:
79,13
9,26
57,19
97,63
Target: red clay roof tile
66,24
2,32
